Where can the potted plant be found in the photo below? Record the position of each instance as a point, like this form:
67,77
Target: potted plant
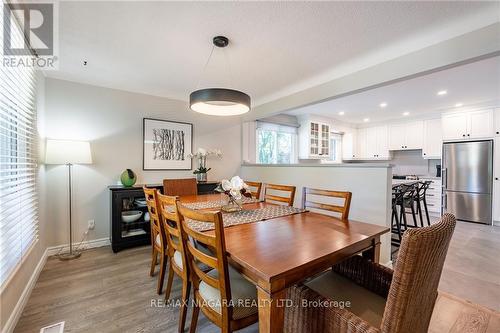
202,154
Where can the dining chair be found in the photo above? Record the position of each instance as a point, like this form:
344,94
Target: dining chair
222,292
343,209
381,299
178,187
177,261
257,187
158,241
275,198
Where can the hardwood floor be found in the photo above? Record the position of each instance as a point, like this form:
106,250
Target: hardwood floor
472,267
106,292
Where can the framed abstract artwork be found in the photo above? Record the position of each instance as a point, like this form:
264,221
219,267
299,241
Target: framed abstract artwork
166,145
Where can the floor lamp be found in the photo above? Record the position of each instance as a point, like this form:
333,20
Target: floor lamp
68,153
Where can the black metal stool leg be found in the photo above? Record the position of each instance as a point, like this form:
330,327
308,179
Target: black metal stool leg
427,213
419,211
403,217
398,225
412,207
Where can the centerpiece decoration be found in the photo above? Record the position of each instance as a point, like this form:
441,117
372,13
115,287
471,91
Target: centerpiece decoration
234,189
202,154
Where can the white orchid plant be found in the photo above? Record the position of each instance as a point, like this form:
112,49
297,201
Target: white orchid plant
234,188
201,154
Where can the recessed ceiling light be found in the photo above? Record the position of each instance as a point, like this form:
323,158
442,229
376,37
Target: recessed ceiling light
383,104
458,105
407,113
341,113
366,120
442,92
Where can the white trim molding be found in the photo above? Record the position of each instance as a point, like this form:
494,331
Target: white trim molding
53,250
21,303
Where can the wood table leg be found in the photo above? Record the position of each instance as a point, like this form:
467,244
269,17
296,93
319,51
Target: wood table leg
373,253
271,311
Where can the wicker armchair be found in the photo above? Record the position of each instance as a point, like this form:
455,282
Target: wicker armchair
409,292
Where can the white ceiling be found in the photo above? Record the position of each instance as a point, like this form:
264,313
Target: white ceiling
276,48
473,85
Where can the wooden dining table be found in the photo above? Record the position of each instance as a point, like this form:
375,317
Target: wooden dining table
277,253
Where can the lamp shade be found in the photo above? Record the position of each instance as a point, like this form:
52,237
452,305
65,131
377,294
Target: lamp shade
67,152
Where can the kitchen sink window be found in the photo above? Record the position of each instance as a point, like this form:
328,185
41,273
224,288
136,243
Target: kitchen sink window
276,144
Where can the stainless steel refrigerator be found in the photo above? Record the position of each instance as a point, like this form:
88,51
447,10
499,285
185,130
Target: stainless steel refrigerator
467,178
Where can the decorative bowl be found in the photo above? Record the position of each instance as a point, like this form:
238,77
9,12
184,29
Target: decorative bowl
131,216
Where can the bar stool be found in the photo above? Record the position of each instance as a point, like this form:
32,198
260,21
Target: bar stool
409,201
397,197
421,199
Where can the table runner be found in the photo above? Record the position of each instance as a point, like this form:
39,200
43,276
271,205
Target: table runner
215,203
247,216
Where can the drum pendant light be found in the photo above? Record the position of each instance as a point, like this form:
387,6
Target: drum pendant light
219,101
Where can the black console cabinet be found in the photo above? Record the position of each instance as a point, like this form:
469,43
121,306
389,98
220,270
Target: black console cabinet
136,233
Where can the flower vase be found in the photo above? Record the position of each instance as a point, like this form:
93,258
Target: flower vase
232,205
201,177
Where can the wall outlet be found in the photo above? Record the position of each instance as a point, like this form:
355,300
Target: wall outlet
91,224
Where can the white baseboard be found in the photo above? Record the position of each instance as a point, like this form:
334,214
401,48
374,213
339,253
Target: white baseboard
23,299
53,250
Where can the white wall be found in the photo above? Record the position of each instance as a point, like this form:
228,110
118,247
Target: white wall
112,121
370,186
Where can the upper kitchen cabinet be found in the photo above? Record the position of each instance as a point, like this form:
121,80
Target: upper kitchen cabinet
468,125
314,140
406,136
361,143
433,139
349,149
481,124
371,144
497,122
454,126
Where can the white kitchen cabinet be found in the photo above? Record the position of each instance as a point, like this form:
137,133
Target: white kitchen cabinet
414,135
480,124
349,151
433,196
383,142
406,136
433,139
454,126
372,143
468,125
397,136
497,122
361,143
314,140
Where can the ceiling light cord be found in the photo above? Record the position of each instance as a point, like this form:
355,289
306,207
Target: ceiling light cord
228,61
205,67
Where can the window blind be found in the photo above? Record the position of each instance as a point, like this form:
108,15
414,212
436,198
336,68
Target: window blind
277,127
18,161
